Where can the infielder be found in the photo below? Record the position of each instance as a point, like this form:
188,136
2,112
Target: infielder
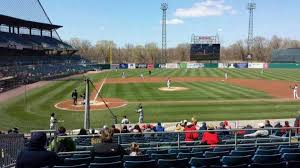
169,83
123,74
295,92
141,113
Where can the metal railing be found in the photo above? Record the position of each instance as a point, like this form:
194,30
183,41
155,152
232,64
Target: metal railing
10,145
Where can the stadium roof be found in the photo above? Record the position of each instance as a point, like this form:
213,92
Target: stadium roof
11,21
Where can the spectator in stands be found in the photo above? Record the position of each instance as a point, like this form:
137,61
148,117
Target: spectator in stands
148,129
107,147
194,121
125,129
268,124
297,123
35,155
179,127
203,127
115,130
137,129
159,128
82,131
285,129
227,126
62,144
135,150
278,132
190,136
125,120
222,127
258,133
210,137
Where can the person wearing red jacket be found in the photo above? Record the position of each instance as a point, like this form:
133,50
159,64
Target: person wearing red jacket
191,136
210,138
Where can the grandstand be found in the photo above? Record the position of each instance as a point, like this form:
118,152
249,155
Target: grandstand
29,58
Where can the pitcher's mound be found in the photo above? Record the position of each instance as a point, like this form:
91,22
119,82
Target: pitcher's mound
94,105
173,89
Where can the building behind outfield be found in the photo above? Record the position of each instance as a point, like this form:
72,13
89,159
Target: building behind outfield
290,55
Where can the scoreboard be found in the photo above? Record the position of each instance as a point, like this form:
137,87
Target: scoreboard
201,52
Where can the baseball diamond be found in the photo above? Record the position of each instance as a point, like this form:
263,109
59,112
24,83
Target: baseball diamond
247,94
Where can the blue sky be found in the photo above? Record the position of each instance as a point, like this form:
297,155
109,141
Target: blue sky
138,21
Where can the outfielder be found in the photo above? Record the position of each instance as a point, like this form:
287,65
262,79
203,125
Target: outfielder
142,76
169,83
226,75
123,74
295,92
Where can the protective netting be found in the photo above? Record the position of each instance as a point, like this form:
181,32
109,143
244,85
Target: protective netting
25,9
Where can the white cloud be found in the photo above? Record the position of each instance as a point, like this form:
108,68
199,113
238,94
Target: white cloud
206,8
174,21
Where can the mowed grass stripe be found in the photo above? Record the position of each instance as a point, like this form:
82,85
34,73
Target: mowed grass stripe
215,94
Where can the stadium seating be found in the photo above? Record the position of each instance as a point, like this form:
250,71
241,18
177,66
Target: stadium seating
140,164
107,165
107,159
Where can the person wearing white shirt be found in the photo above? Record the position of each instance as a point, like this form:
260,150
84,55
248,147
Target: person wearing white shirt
295,92
125,120
259,133
53,122
169,83
141,114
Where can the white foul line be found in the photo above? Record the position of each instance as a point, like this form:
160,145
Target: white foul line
99,89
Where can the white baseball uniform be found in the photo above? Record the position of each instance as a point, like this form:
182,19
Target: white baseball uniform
169,83
295,92
226,75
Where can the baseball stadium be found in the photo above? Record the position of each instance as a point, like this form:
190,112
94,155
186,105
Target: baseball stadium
203,102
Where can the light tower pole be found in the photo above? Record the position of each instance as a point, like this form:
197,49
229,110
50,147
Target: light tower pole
251,6
164,8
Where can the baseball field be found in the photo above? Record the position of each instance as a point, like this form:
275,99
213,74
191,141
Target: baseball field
206,95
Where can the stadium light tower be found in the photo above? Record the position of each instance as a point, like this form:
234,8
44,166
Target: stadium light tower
251,6
164,8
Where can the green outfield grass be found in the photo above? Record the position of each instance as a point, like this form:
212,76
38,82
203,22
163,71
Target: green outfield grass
197,91
32,111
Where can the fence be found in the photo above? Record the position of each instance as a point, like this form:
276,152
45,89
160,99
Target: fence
10,145
184,65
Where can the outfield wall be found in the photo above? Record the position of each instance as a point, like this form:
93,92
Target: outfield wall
190,65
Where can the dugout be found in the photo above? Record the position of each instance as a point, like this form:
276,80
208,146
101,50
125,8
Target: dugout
290,55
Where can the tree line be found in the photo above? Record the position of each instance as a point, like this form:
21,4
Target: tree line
151,52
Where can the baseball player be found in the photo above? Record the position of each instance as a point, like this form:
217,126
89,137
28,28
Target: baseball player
169,83
53,122
140,110
142,76
226,75
123,74
74,97
295,91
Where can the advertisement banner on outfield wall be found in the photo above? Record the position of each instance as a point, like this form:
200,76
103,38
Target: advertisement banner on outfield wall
183,65
241,65
256,65
150,66
172,65
131,66
223,65
123,66
162,66
114,66
195,65
141,65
